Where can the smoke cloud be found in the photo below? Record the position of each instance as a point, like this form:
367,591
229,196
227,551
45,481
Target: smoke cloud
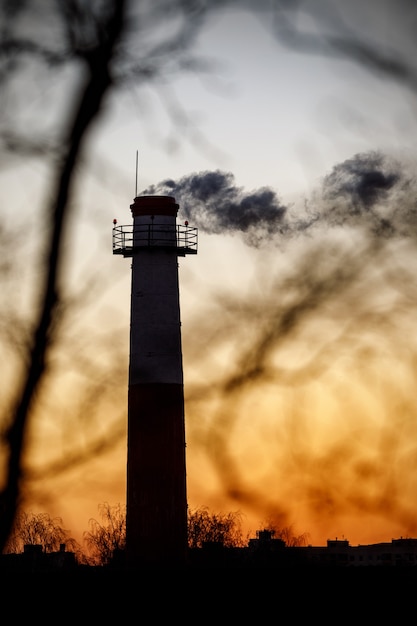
213,202
370,191
364,179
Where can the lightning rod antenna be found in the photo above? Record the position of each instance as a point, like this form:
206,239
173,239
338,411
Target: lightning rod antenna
136,184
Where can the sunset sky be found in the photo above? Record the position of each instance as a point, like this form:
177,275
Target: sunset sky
297,165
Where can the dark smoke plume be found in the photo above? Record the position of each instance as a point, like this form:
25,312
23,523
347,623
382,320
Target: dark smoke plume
212,201
371,191
363,179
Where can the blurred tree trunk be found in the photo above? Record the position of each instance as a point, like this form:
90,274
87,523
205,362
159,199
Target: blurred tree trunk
97,60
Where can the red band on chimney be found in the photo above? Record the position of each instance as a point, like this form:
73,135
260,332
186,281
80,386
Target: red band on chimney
154,205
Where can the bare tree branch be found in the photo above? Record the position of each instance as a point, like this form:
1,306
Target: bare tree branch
99,80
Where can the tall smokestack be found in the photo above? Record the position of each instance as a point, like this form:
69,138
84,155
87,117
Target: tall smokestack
156,524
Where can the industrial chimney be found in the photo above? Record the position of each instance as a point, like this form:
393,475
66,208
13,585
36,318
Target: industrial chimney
156,523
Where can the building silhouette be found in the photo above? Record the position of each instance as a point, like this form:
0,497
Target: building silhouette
264,551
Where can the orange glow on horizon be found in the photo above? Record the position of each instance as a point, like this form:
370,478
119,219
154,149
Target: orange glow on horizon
297,407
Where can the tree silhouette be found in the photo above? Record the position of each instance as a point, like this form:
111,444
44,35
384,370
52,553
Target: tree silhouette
285,533
223,528
107,538
39,529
